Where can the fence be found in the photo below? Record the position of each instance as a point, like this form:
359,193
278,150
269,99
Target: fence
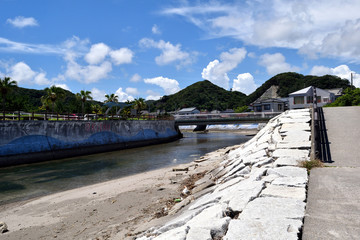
50,116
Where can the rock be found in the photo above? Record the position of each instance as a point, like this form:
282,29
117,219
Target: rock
175,234
242,193
3,227
281,229
288,127
294,144
293,153
296,136
263,162
273,209
290,181
284,192
234,170
202,186
288,172
180,169
196,233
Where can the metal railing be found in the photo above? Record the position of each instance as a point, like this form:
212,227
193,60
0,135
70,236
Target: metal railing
50,116
227,116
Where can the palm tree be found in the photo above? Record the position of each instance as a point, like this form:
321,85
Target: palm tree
139,104
83,96
112,98
52,95
6,86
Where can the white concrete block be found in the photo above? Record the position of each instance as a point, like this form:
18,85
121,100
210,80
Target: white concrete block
284,192
196,233
290,181
288,172
176,234
293,153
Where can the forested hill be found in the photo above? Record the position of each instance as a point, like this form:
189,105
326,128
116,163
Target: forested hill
202,95
292,82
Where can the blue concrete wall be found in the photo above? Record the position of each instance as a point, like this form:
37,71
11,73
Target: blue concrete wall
31,138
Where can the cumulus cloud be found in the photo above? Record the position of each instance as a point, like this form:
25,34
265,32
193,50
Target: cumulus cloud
23,74
135,78
63,86
88,73
122,56
244,83
123,96
97,53
275,63
169,53
98,95
342,71
132,91
152,95
216,71
21,22
155,29
170,86
324,27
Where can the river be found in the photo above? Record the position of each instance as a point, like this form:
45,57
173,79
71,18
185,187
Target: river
33,180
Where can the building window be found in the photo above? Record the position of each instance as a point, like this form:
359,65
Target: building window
280,107
318,98
258,108
326,100
299,100
267,107
309,99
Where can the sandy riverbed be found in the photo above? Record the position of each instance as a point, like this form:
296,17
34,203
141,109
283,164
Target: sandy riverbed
117,209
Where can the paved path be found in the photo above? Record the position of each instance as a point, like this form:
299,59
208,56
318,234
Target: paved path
333,208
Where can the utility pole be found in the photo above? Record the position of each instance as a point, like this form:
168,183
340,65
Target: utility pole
351,77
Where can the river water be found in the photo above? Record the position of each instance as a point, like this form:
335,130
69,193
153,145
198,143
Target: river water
29,181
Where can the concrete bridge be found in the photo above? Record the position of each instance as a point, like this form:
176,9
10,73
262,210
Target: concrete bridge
223,118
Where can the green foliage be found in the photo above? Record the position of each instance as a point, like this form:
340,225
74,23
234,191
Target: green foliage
241,109
202,95
351,97
292,82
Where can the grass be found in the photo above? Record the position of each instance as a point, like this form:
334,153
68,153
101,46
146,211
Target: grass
316,163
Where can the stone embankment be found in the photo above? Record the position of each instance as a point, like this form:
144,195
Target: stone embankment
257,192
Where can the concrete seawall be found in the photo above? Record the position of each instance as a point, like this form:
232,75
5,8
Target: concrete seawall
34,141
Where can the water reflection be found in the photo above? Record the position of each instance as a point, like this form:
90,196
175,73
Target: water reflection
28,181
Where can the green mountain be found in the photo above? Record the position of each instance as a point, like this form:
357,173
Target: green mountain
292,82
202,95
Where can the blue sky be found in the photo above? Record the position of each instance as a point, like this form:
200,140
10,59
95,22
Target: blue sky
151,48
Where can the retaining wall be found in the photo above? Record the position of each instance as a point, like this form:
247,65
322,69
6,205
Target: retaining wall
34,141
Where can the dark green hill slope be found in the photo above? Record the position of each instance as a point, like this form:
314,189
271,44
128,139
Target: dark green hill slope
291,82
202,95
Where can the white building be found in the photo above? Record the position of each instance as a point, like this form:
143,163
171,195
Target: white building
188,111
304,98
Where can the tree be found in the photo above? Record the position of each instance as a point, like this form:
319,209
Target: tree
112,98
139,104
83,96
53,94
6,86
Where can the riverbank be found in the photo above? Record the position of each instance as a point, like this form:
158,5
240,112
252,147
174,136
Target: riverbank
254,189
113,209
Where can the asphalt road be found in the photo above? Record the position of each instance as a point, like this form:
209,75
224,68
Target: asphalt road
333,203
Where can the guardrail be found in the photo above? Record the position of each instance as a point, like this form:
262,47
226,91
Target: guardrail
227,115
49,116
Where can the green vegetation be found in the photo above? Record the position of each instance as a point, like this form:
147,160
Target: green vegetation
292,82
351,97
6,85
202,95
316,163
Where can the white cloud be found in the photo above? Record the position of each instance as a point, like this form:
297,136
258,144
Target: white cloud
170,86
89,73
132,91
98,95
21,22
155,29
7,45
23,74
275,63
169,53
63,86
244,83
135,78
342,71
152,95
97,53
216,71
325,27
123,96
121,56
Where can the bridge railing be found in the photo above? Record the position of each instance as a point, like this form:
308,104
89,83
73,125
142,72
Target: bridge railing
249,115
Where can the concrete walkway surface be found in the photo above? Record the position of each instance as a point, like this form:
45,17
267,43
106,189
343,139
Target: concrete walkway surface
333,203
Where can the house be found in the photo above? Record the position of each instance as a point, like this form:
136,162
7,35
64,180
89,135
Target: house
270,105
188,111
338,92
270,101
304,98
